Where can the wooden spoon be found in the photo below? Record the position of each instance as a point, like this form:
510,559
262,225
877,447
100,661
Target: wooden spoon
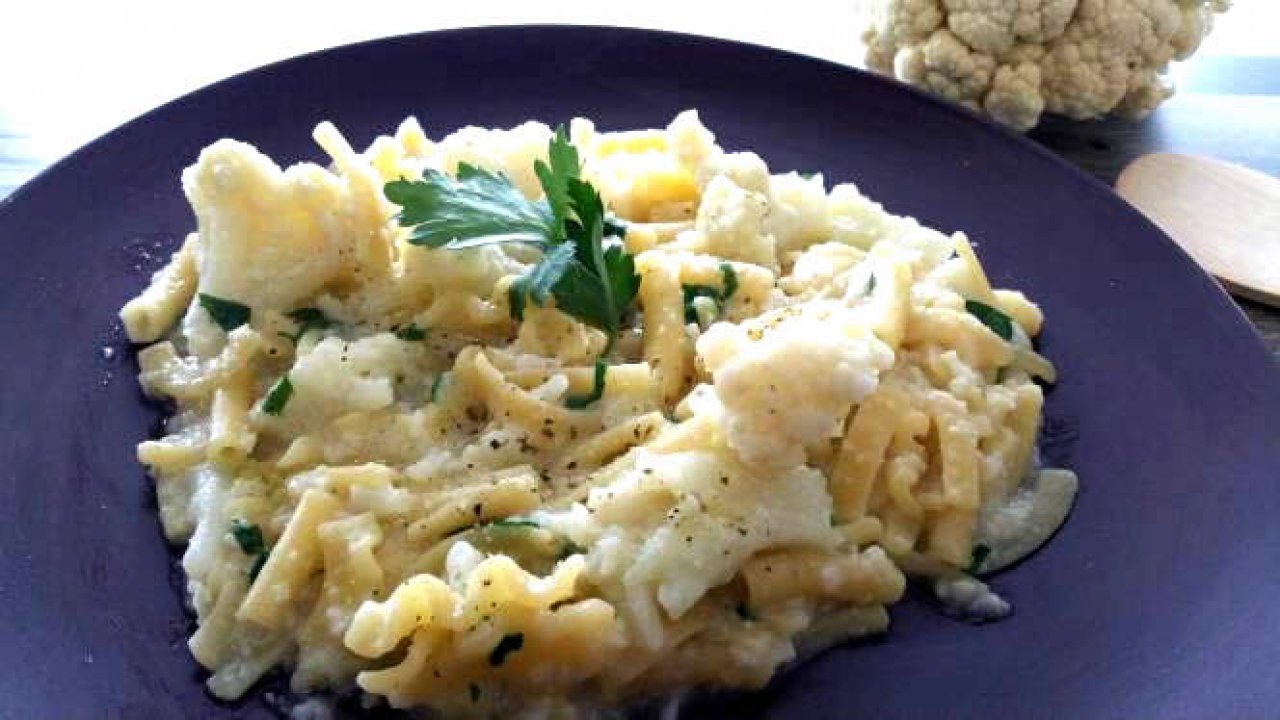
1225,215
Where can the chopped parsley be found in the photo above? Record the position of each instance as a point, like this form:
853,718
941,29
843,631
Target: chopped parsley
249,538
584,266
508,644
719,295
436,386
278,396
228,314
980,554
578,402
258,563
307,318
411,333
871,285
569,549
995,320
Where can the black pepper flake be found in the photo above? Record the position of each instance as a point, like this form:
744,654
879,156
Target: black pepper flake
474,689
507,645
495,443
478,509
572,464
548,433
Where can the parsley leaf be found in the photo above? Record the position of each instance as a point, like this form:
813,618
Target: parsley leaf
258,563
692,293
278,396
479,208
997,321
228,314
307,318
411,333
979,556
508,644
248,537
436,387
578,402
720,295
590,278
554,177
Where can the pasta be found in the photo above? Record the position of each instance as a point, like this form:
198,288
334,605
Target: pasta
399,465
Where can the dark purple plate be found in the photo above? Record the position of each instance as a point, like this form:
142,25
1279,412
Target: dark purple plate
1160,598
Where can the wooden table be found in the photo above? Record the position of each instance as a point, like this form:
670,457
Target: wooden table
1228,105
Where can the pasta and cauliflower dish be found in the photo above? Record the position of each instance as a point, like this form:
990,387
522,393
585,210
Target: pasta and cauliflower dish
529,421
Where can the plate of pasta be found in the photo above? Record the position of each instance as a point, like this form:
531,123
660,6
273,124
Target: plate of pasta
659,376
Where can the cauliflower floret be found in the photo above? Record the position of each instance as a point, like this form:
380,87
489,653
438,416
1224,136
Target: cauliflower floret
270,238
731,218
690,141
1016,59
799,214
744,169
788,378
1015,96
333,377
992,26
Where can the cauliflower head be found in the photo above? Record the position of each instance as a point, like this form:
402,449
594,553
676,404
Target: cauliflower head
1016,59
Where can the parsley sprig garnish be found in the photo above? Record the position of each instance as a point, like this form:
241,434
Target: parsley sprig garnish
584,265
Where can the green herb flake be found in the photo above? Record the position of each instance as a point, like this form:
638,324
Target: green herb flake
871,285
411,333
258,563
569,549
278,396
719,295
307,319
691,294
436,386
995,320
728,280
248,537
508,644
578,402
228,314
980,554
